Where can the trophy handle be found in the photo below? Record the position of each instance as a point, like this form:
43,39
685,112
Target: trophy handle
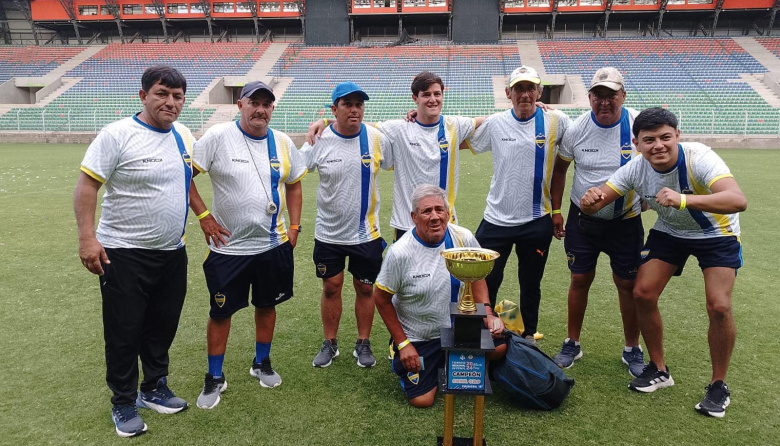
466,300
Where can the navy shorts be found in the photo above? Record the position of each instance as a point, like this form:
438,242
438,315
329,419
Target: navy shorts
710,252
587,237
365,259
416,384
228,278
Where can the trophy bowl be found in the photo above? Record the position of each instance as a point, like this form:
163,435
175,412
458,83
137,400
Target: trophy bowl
469,265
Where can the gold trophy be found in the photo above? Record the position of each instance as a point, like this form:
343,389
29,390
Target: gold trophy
469,265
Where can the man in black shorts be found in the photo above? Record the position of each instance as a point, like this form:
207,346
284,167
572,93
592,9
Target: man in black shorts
348,157
255,172
599,142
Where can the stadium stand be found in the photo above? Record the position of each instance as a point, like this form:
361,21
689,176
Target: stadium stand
386,75
697,78
33,61
110,81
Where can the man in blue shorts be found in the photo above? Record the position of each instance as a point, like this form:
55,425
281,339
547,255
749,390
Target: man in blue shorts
414,290
698,201
255,172
599,142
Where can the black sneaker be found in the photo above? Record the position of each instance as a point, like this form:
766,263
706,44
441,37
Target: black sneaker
716,400
651,379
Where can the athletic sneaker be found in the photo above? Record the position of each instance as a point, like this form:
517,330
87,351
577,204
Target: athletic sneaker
363,353
569,353
716,400
161,399
265,374
212,390
328,351
127,421
651,379
635,360
530,338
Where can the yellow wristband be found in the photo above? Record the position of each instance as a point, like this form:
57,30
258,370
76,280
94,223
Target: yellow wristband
682,202
403,344
205,214
325,121
556,211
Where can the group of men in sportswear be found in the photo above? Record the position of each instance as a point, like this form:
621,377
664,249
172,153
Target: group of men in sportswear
624,162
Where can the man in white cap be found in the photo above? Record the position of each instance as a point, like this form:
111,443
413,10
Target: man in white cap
523,141
599,142
348,158
255,172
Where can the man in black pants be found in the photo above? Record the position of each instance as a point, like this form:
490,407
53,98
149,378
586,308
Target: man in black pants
138,248
523,141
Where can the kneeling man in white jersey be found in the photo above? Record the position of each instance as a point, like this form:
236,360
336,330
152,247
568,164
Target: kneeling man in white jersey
698,201
414,290
255,172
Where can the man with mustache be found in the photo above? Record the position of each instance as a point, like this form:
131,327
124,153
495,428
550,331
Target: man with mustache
348,157
599,142
523,141
255,172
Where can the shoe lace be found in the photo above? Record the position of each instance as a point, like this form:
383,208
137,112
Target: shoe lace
327,347
634,356
124,413
265,367
211,385
569,349
163,391
648,371
716,394
364,347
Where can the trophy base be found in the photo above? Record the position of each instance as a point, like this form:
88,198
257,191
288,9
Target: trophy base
467,327
459,441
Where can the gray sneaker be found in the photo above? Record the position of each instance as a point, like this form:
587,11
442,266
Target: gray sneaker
212,389
265,374
569,353
328,351
635,360
363,353
530,339
127,421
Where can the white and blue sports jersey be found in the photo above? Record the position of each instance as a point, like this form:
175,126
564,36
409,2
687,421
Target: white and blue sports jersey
524,151
598,151
146,172
698,167
424,154
348,194
415,273
246,173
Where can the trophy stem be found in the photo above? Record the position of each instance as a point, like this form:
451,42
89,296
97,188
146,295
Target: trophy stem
466,302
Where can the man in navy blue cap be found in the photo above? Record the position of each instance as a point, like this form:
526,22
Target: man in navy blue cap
255,172
348,157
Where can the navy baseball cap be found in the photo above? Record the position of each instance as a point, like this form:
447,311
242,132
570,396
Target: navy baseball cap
253,87
346,88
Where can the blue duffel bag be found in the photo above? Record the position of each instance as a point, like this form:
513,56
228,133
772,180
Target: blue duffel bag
532,378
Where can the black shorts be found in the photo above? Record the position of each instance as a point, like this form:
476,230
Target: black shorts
587,237
710,252
416,384
228,278
365,259
398,233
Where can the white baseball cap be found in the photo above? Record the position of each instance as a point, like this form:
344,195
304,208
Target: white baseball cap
526,74
607,77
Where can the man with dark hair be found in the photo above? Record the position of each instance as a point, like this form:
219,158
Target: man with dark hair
255,173
523,141
697,200
348,158
424,151
599,142
414,290
138,248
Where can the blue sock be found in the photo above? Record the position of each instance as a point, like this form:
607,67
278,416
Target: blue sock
215,365
262,350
